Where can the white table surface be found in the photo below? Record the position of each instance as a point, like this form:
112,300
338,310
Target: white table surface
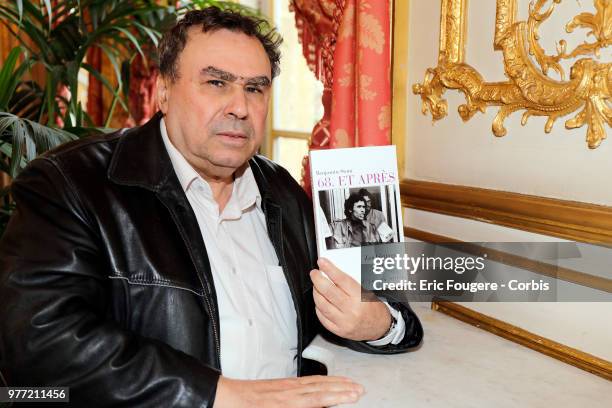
459,365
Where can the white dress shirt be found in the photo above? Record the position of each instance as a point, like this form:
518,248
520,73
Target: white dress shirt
256,312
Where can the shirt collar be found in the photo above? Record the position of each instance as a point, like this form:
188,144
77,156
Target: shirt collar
245,192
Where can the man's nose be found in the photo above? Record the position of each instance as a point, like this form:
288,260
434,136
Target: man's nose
237,106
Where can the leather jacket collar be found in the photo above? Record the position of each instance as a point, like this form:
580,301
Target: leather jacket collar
140,158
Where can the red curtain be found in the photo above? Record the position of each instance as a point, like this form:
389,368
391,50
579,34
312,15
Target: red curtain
347,45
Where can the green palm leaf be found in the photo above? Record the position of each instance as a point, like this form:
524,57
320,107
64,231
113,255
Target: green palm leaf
8,81
21,140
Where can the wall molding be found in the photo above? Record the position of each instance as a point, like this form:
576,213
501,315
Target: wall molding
542,268
569,355
528,86
576,221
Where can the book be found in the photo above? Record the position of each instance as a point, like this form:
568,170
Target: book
356,200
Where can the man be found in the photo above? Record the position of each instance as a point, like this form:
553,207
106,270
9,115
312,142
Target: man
376,217
373,215
167,265
354,230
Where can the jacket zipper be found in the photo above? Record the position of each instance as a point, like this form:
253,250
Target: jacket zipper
214,325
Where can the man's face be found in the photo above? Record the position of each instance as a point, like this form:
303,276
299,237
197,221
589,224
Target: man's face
215,111
359,210
368,204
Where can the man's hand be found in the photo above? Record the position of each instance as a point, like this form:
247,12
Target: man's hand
340,309
301,392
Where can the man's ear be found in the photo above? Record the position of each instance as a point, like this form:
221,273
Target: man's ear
161,86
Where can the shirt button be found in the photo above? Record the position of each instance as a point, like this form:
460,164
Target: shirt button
251,322
234,271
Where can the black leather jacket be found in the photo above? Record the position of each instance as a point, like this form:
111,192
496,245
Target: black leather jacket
105,284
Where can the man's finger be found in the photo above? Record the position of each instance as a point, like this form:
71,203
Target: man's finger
329,310
329,290
325,391
318,378
327,386
343,281
328,324
326,399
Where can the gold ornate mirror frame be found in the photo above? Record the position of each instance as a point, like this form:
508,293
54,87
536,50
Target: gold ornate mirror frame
529,87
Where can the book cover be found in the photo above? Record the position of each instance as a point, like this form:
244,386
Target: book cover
356,202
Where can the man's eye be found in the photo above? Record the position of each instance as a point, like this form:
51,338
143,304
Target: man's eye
216,82
253,89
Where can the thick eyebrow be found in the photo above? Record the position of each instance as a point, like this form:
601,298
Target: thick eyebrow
228,76
262,81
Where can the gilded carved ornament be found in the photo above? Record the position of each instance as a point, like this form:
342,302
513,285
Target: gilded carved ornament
585,93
